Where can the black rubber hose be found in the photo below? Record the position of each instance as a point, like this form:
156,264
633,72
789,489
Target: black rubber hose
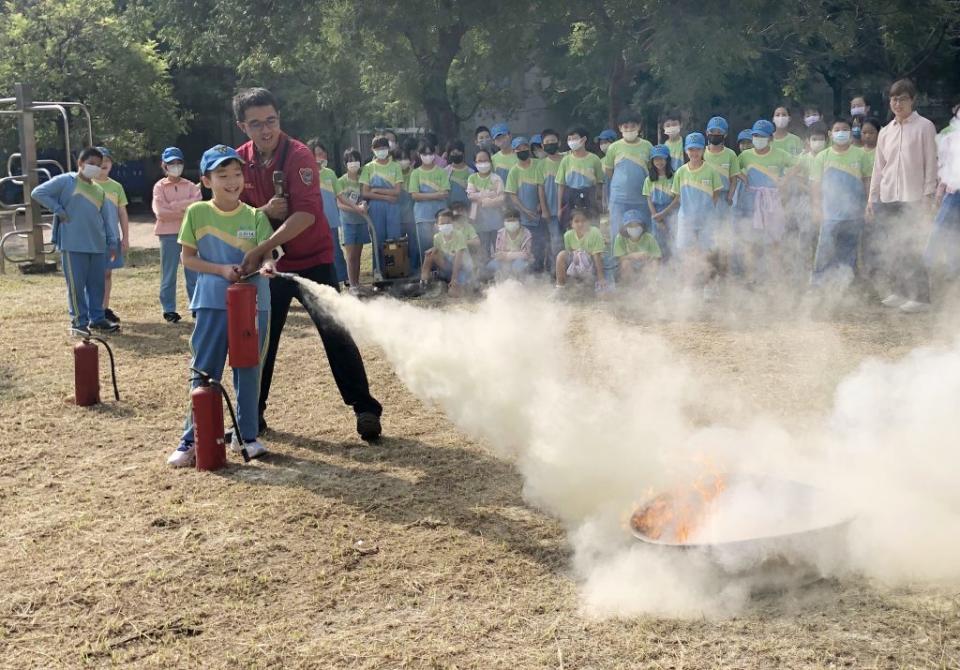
203,376
113,367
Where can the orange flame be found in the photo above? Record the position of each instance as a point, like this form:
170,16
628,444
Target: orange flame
674,516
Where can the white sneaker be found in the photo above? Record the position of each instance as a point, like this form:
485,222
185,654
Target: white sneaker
254,449
913,307
893,300
183,456
354,291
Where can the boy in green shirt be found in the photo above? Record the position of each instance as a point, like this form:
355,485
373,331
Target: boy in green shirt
636,250
448,256
582,256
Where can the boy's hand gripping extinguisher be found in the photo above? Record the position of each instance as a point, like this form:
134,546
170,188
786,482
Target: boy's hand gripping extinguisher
86,371
207,401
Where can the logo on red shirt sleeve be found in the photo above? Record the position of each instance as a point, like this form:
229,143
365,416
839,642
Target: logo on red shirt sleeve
306,176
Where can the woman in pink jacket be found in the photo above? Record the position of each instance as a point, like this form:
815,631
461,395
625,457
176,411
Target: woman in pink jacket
171,197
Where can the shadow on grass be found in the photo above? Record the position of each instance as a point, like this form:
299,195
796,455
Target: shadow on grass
458,488
154,338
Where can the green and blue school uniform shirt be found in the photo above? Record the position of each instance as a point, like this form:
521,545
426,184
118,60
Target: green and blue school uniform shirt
83,221
659,191
524,182
696,188
116,198
433,180
458,183
580,172
870,155
382,175
726,163
762,171
625,245
841,177
450,244
223,238
353,190
489,219
676,153
628,161
503,163
548,176
792,144
329,190
592,241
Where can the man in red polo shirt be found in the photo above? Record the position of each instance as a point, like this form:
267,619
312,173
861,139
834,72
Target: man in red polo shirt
301,228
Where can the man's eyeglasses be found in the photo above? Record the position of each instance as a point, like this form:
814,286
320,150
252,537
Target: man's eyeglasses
900,99
257,126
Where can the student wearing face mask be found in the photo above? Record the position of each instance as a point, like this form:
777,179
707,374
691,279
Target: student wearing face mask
725,163
353,213
840,179
429,187
548,175
448,256
406,157
536,146
117,200
391,136
513,250
506,157
84,235
483,139
578,176
457,172
811,115
524,189
943,247
674,142
171,197
604,140
486,195
382,183
782,137
869,131
329,190
637,251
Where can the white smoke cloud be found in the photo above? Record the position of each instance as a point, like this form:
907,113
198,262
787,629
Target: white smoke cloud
597,415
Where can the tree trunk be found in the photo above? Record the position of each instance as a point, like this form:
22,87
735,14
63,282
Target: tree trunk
434,68
615,89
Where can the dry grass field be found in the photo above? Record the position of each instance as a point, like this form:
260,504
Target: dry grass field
109,558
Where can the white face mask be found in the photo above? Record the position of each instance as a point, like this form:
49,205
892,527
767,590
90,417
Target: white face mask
91,171
381,153
634,231
174,170
322,163
817,145
512,225
427,159
811,119
841,137
483,167
404,163
781,121
353,165
446,228
631,135
858,111
574,144
671,131
760,142
391,144
540,153
604,147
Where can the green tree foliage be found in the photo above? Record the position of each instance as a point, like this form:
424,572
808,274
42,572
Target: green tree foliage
88,51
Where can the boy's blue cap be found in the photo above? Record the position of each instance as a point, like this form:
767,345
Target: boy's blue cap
517,141
632,216
718,123
105,152
498,130
171,154
607,136
695,141
537,139
745,135
216,156
660,151
763,127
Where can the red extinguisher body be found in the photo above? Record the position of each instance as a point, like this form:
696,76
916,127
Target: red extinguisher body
242,342
207,403
86,373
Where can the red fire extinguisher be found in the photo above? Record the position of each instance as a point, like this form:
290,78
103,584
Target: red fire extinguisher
207,401
86,371
242,342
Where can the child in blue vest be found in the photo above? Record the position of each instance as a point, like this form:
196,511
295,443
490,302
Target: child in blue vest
215,236
658,190
85,235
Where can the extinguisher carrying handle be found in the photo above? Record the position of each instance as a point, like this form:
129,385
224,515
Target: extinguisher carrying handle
113,366
204,378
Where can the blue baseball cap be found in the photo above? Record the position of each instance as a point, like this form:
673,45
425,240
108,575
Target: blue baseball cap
517,141
171,154
537,139
633,216
763,127
718,123
214,157
105,152
499,129
695,141
745,135
660,151
607,136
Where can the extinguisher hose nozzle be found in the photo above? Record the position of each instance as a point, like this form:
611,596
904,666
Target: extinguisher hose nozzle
113,366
